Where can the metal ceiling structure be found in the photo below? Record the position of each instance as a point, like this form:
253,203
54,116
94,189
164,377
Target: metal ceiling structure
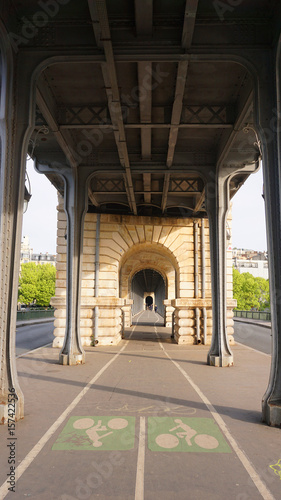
144,107
149,115
148,279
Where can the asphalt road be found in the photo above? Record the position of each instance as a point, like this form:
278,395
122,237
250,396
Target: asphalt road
255,336
146,388
31,337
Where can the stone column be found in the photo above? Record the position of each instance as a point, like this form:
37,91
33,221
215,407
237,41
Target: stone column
15,133
75,205
169,310
127,310
217,204
268,123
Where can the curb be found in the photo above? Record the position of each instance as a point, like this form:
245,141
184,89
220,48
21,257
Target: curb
253,322
34,322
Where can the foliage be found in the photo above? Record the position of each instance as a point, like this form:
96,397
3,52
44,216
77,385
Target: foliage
250,292
37,283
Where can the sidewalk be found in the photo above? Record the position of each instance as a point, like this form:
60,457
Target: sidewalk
34,322
144,420
265,324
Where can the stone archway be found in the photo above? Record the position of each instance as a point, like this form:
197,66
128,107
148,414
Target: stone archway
148,290
148,301
149,257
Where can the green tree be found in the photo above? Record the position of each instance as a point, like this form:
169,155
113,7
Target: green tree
237,288
264,295
37,283
250,291
28,283
45,284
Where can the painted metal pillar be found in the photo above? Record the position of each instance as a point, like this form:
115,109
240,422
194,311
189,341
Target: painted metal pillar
15,130
97,279
196,282
269,126
75,205
217,204
203,265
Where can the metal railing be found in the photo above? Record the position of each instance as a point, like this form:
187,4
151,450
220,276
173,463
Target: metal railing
34,314
262,315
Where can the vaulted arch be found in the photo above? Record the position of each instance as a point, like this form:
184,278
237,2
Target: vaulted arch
150,256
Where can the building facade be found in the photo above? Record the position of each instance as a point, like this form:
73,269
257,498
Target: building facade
258,268
27,255
116,248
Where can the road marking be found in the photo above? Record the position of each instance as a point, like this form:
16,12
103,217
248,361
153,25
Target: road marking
185,434
48,434
252,349
97,433
45,438
260,485
139,491
33,350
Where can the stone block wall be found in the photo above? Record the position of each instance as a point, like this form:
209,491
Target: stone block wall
129,244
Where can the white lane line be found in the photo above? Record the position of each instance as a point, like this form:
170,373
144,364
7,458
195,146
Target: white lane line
139,491
139,313
252,349
33,350
45,438
260,485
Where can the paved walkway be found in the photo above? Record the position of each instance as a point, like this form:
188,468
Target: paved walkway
143,420
260,322
34,321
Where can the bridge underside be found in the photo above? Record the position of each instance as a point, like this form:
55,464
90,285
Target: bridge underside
145,108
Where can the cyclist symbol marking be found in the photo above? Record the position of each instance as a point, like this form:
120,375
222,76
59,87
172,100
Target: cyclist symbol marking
104,433
185,434
93,431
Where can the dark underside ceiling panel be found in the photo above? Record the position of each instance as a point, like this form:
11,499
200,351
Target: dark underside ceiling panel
147,96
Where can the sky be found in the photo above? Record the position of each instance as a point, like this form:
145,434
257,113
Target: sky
40,219
248,223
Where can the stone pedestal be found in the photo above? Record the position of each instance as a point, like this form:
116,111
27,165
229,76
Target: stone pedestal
127,313
169,310
110,323
185,331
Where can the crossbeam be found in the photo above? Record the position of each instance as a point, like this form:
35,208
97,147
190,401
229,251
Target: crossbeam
192,116
46,104
99,11
187,35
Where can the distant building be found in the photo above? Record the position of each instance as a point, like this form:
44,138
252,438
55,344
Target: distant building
27,254
250,261
245,253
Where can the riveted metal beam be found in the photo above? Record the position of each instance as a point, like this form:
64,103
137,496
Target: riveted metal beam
98,7
187,34
144,26
143,17
239,124
46,103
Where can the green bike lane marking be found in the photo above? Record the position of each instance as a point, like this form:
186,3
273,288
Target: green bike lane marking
97,433
185,435
164,434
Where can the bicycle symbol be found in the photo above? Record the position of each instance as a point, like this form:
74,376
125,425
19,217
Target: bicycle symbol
93,431
169,441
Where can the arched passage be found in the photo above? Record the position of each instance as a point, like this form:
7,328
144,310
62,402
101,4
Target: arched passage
148,291
149,257
148,301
